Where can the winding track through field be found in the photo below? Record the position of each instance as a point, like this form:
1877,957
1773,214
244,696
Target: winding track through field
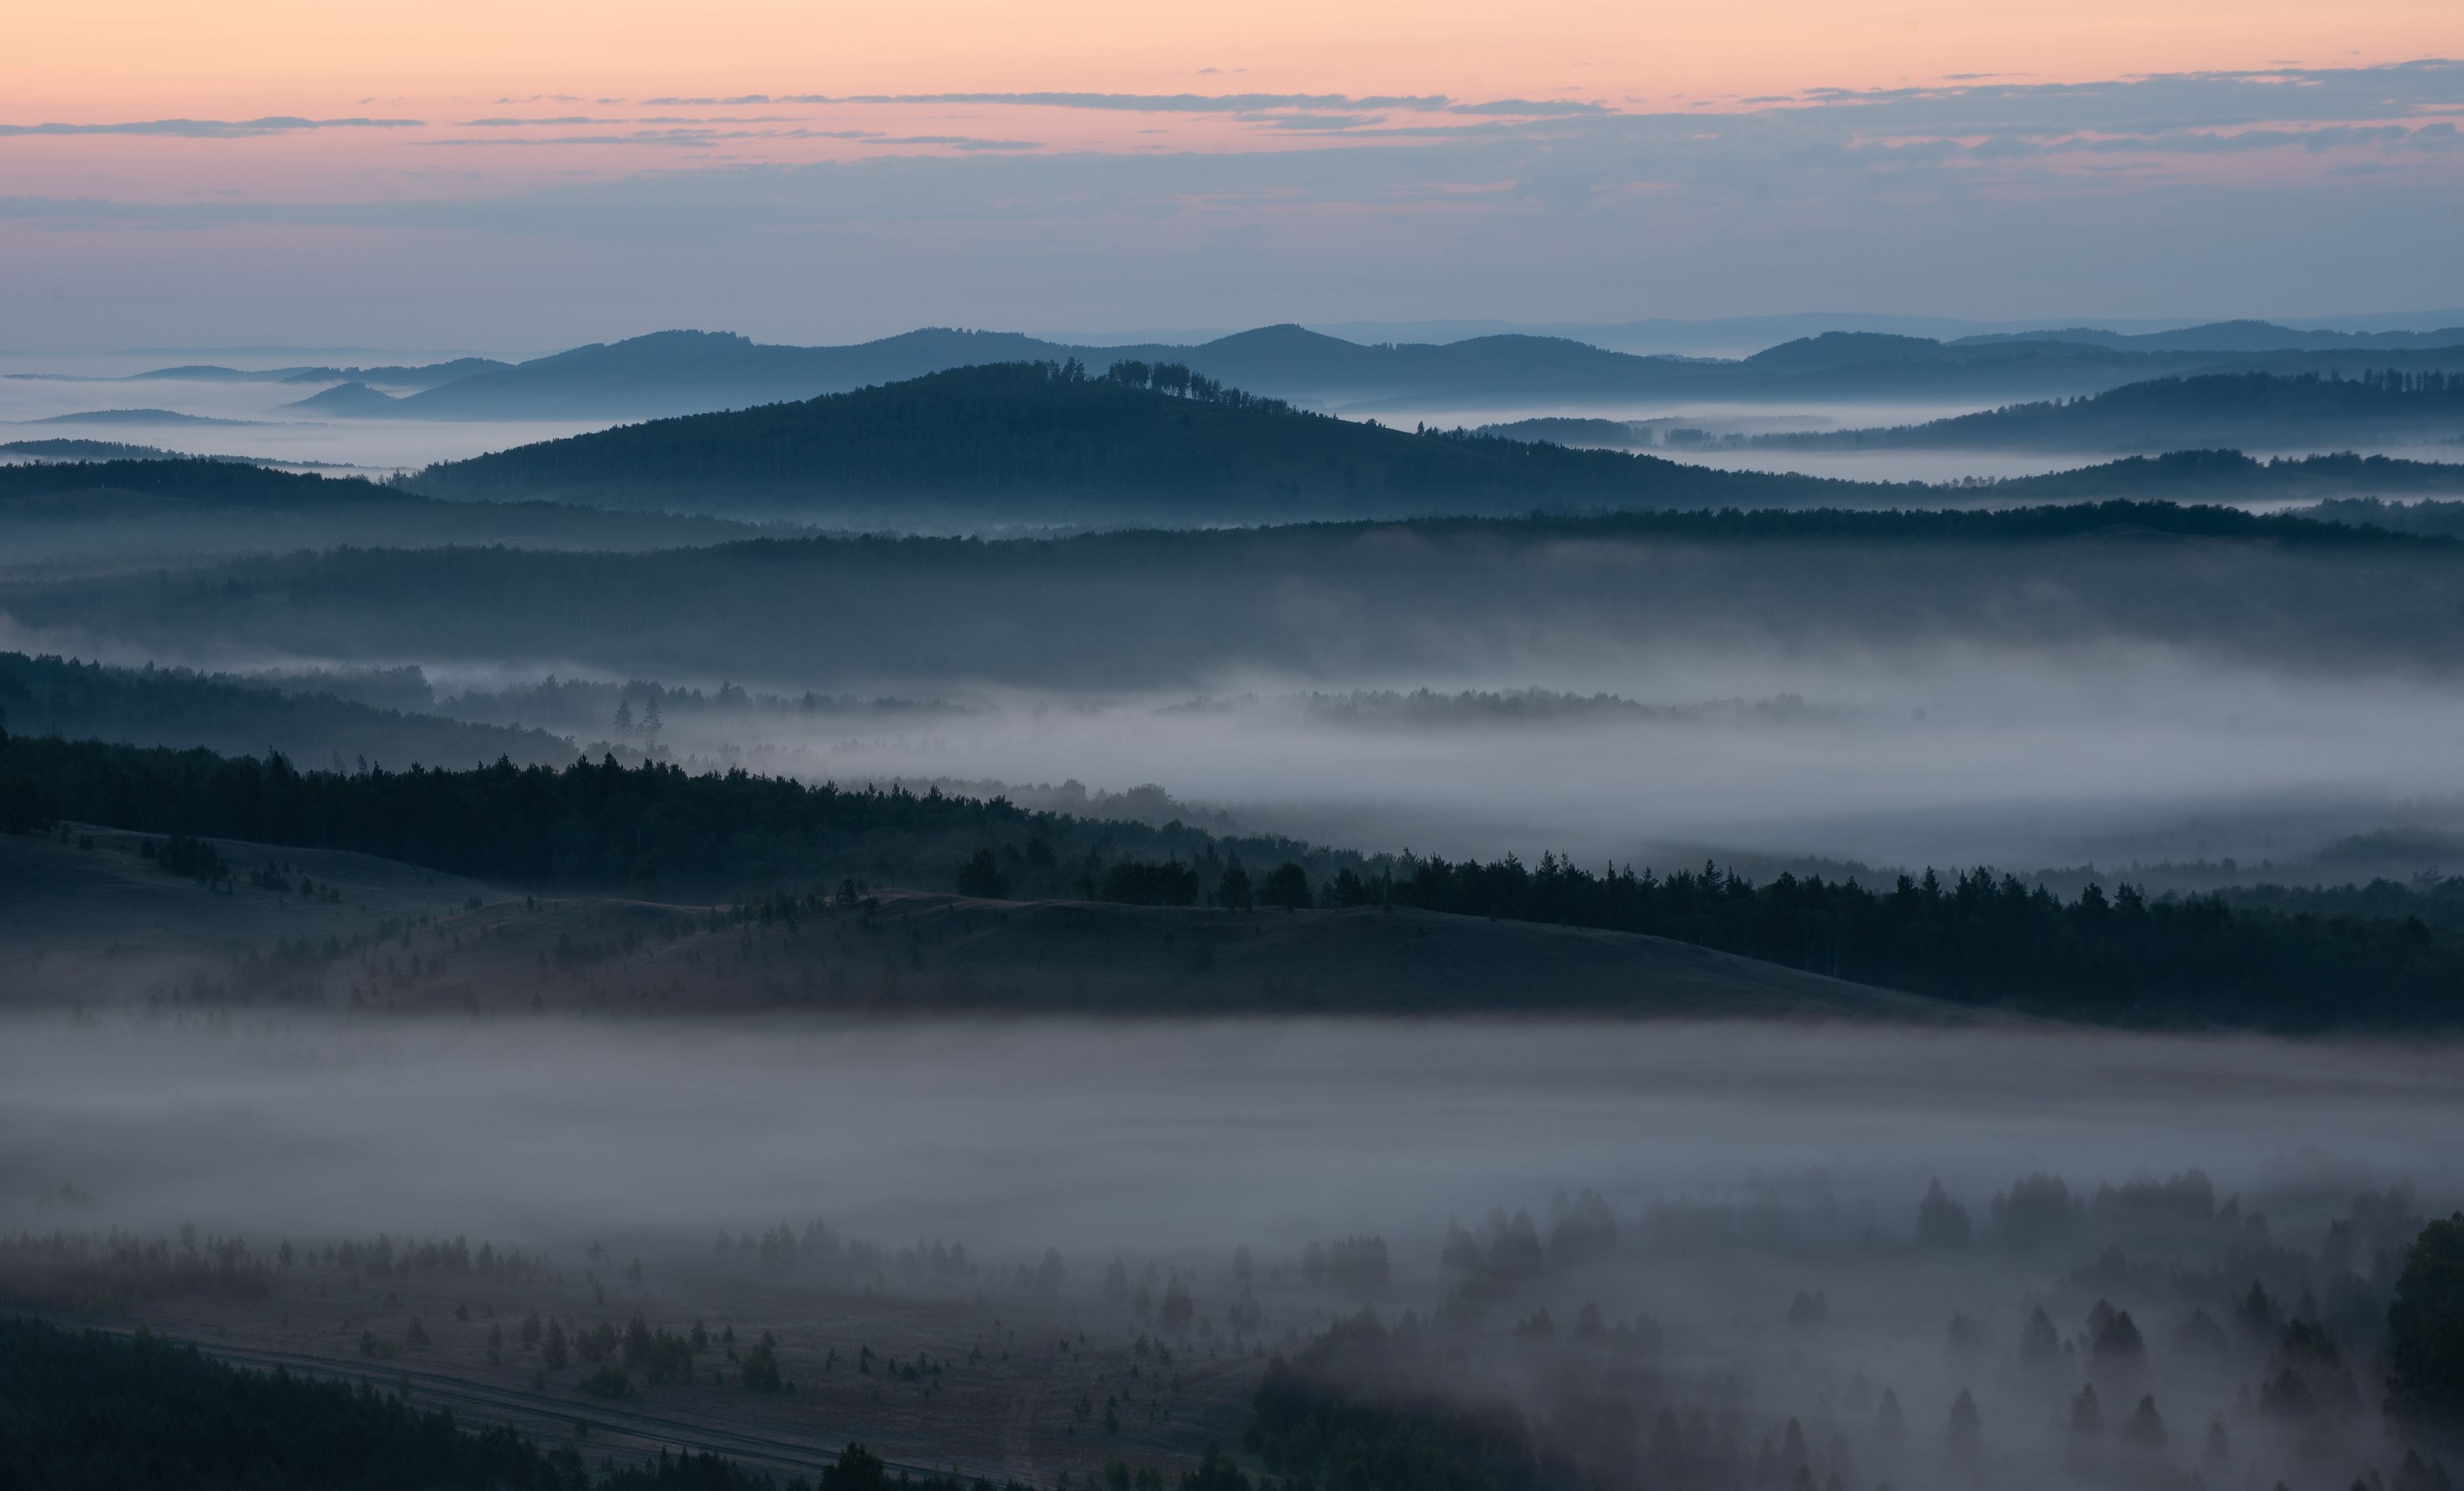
644,1433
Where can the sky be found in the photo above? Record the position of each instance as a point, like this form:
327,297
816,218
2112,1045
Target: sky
512,177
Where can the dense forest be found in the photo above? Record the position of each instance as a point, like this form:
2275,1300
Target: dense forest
182,707
2231,476
2264,411
1179,609
1977,938
1974,938
2443,520
592,826
1362,1408
206,481
101,1413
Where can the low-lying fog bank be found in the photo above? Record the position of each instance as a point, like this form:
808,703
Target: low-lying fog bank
1079,1132
1719,1257
2115,757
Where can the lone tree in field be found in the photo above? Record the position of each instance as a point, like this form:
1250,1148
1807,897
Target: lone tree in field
980,876
760,1370
1286,886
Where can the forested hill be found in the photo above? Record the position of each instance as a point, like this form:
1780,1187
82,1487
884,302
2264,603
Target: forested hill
1159,445
674,372
2194,476
1974,938
180,509
1044,442
180,706
200,480
1187,609
2250,410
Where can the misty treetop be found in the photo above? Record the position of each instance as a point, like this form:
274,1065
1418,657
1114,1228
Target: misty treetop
204,480
1152,608
182,707
1975,939
2265,409
599,825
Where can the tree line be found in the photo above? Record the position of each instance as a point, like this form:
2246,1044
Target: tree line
1128,610
603,826
1980,938
1974,938
167,706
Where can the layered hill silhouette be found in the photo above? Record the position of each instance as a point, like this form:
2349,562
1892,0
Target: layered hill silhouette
2235,335
676,372
134,417
1046,442
1039,443
1180,611
182,707
2252,411
683,372
1010,445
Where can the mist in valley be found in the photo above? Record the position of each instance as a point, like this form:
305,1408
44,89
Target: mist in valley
2144,759
726,1151
1750,783
1721,1252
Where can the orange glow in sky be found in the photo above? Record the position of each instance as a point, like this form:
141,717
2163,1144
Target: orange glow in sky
836,169
101,59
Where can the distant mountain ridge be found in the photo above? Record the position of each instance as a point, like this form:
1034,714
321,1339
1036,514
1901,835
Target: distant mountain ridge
2241,336
1737,336
689,372
134,417
348,400
426,375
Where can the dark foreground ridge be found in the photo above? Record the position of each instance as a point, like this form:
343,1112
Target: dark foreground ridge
1973,939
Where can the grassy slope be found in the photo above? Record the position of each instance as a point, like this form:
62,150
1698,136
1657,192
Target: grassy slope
102,923
105,924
